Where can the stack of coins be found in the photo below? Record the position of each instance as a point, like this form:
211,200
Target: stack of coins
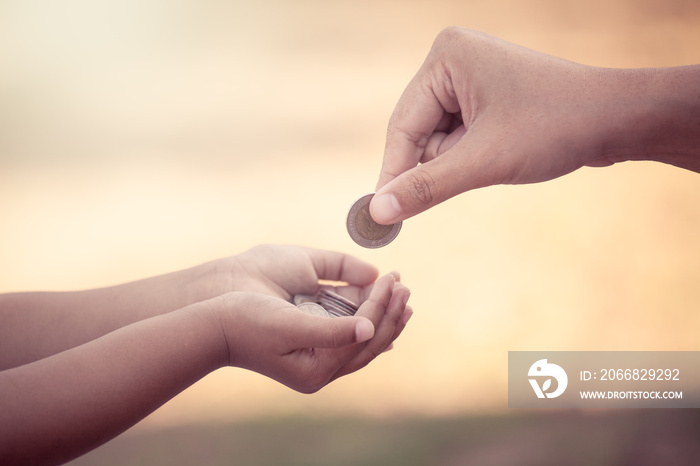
335,304
325,303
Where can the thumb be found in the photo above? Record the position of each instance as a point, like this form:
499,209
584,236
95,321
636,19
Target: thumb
475,160
419,189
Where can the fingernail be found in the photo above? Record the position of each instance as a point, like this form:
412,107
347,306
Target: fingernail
405,297
389,348
407,315
364,330
385,209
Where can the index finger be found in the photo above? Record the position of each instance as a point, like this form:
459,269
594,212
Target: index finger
414,119
418,113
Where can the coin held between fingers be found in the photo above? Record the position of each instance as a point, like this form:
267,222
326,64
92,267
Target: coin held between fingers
386,207
364,230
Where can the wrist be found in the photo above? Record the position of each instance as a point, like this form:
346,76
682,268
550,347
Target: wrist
212,317
207,280
651,114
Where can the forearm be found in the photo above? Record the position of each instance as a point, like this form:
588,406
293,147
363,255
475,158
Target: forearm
652,114
34,325
62,406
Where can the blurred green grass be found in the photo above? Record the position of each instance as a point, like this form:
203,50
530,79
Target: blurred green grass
623,437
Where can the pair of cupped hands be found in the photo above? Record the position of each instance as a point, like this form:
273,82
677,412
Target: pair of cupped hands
265,332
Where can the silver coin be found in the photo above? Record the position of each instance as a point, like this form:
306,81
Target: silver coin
303,298
335,313
336,308
338,298
364,230
313,309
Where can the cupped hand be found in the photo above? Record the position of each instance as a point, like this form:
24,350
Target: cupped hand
284,271
276,270
271,336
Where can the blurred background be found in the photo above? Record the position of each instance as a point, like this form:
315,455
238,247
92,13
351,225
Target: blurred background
141,137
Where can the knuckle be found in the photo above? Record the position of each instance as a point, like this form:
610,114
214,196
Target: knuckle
398,129
333,337
449,34
417,138
422,187
450,31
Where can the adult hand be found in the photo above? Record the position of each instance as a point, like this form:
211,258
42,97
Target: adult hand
482,111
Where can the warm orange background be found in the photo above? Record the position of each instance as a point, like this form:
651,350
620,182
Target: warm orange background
141,137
